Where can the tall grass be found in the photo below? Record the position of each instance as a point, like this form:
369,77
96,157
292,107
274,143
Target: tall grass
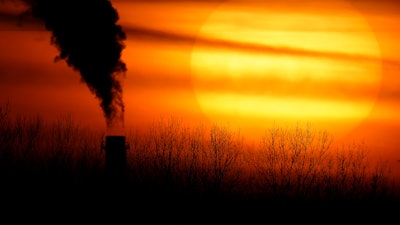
171,158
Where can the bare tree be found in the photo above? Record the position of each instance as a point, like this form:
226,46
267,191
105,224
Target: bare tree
289,160
63,137
221,166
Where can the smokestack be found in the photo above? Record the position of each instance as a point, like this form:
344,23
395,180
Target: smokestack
115,148
116,162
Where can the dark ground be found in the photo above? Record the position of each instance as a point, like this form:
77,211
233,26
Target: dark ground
40,199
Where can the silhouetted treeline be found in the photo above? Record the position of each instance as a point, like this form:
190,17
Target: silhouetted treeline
174,161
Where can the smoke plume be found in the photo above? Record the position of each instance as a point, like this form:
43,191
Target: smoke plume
89,39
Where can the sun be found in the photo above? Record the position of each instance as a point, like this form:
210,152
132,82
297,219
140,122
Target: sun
284,65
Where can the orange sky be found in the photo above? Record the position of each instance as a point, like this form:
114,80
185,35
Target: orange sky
250,63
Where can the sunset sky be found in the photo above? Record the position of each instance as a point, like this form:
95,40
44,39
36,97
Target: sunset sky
250,63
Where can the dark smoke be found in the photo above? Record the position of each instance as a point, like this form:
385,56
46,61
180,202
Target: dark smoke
90,41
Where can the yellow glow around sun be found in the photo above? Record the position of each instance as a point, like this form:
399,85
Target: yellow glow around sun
336,91
283,107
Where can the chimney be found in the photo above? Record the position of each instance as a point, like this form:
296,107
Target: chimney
116,161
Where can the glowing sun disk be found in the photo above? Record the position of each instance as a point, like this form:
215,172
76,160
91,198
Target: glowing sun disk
345,32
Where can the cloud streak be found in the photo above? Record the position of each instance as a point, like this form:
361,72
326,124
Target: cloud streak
147,34
155,35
